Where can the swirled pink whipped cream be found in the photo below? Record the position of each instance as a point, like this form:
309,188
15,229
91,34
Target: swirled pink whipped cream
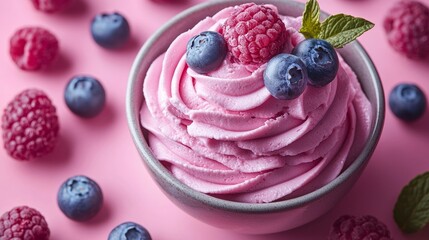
223,134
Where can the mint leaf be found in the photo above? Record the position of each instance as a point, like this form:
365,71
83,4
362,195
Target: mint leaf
311,20
341,29
411,210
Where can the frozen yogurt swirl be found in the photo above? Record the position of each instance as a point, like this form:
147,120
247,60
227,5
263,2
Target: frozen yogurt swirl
224,134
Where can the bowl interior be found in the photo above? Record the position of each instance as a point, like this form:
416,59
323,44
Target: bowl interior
353,54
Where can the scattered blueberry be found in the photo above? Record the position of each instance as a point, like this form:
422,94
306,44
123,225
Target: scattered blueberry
206,51
110,30
85,96
407,101
285,76
129,231
80,198
320,58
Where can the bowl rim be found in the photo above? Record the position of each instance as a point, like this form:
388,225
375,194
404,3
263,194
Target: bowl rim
160,171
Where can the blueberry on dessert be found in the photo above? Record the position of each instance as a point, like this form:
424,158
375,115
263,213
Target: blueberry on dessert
129,231
316,51
80,198
85,96
285,76
206,51
407,101
110,30
320,58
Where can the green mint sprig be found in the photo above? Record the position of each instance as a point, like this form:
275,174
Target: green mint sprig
338,29
411,211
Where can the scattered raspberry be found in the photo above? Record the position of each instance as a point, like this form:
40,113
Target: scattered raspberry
161,1
32,48
254,33
407,28
30,125
359,228
51,6
23,223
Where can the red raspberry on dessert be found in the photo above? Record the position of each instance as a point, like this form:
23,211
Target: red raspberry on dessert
30,125
407,28
23,223
254,33
359,228
51,6
32,48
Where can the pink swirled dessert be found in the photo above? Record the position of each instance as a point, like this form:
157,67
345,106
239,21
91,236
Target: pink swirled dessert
246,107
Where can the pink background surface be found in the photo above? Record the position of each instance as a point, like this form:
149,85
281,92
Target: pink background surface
102,149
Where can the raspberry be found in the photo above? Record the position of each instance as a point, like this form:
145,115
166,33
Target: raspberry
32,48
357,228
254,33
407,29
51,6
30,125
23,223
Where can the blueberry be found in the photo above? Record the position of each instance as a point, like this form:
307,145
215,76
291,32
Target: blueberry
129,231
285,76
321,60
80,198
110,30
206,51
85,96
407,101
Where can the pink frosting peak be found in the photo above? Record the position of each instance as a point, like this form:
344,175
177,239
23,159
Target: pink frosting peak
224,134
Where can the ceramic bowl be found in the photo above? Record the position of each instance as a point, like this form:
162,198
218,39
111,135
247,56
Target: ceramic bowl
246,217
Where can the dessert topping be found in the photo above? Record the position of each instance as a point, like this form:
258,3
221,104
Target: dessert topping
285,76
254,33
320,58
318,50
206,51
338,30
